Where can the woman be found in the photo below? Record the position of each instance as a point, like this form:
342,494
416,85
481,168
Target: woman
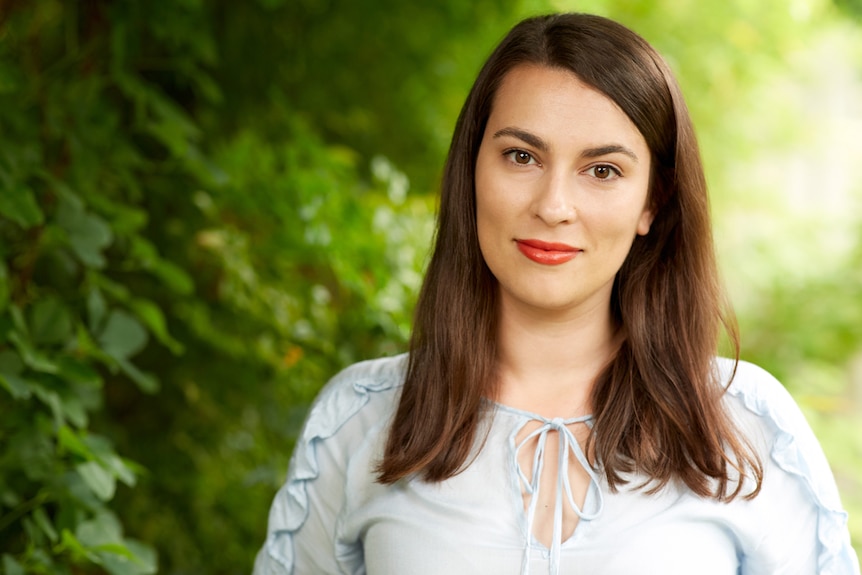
561,409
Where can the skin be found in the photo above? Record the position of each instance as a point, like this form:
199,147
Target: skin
560,163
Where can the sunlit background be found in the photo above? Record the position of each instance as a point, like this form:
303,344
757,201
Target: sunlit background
208,207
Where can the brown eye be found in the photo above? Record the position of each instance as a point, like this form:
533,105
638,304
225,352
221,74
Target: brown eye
520,157
604,172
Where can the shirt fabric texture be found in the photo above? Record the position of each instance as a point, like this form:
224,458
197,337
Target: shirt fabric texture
332,517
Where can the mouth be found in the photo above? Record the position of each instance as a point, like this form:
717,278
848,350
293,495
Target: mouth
547,253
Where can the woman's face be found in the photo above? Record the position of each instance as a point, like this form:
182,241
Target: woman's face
562,181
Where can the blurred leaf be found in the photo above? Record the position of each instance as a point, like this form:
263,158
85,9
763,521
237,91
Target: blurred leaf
15,385
70,544
10,375
5,288
31,356
130,558
10,362
147,383
18,320
76,371
852,7
96,309
44,523
52,399
103,536
123,335
101,449
153,318
103,529
68,439
121,470
50,322
12,567
174,277
73,409
88,234
126,219
20,206
112,288
101,482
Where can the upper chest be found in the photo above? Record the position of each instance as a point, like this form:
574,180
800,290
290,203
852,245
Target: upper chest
476,522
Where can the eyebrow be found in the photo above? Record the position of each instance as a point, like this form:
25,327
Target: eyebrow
527,137
542,146
609,149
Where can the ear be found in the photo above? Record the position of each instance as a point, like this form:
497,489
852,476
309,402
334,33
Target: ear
645,221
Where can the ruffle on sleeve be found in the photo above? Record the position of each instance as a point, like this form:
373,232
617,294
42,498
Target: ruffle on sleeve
797,452
340,400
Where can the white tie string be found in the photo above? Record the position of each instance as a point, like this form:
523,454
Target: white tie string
567,443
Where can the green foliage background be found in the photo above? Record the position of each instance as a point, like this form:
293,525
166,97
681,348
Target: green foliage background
208,207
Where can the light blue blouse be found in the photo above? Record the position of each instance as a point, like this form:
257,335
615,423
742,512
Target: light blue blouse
332,517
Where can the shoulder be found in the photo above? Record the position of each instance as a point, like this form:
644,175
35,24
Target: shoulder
778,429
367,390
347,427
764,407
352,410
757,391
773,421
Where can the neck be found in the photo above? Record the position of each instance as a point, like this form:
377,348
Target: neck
548,362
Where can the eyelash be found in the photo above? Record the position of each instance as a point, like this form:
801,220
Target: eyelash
515,151
614,175
510,154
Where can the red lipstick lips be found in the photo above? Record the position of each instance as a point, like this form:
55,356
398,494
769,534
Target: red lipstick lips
547,253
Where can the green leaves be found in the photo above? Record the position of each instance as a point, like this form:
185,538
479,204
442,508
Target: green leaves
87,233
82,285
11,368
12,567
101,539
151,315
100,480
20,206
123,336
33,357
5,289
17,387
50,322
45,524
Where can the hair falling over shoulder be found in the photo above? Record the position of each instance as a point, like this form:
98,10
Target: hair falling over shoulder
657,406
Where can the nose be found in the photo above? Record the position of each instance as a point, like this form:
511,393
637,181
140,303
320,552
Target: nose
554,201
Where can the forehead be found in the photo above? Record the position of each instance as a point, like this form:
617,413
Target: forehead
555,102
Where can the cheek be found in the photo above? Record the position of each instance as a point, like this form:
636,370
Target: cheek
484,207
493,218
490,197
615,225
487,221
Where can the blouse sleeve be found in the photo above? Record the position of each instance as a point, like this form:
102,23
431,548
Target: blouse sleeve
303,532
804,525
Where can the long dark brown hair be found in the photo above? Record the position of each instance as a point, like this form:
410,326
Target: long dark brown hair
657,406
